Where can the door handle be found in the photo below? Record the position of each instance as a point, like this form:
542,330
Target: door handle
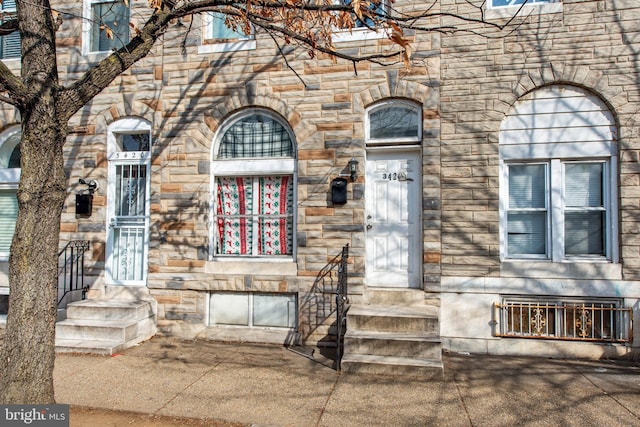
369,226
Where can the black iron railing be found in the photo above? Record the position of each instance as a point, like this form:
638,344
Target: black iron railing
325,306
71,269
342,305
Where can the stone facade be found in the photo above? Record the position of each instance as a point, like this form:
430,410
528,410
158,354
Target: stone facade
465,82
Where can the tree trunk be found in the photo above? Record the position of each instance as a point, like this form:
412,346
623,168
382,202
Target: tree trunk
27,358
29,348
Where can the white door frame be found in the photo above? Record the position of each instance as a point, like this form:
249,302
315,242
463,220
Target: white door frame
393,237
117,157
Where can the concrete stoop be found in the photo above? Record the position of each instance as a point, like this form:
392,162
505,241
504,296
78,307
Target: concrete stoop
396,332
105,326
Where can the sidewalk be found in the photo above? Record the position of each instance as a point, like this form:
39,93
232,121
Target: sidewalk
272,386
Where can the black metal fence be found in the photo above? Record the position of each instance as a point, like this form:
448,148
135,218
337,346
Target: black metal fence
71,269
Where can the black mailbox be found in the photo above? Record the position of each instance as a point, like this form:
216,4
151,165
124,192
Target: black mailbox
339,191
84,205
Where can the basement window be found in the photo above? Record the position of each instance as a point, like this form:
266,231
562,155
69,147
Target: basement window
254,310
599,319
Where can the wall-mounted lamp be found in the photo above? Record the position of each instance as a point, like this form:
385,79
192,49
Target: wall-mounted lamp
84,199
353,169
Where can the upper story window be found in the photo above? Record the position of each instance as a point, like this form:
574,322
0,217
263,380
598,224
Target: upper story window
362,30
254,183
395,121
9,44
219,37
558,182
106,25
9,178
508,8
507,3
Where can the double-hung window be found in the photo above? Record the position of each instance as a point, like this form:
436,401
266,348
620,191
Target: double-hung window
558,184
558,209
9,44
106,25
254,188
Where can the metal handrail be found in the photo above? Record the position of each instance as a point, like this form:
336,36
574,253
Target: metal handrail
71,269
342,305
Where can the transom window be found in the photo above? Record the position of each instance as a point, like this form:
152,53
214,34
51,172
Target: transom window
558,161
394,121
254,188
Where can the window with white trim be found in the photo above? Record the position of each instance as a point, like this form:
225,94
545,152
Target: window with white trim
558,183
252,309
9,44
362,30
253,184
105,25
394,121
9,178
509,3
220,37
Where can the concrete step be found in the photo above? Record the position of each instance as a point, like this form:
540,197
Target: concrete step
412,345
105,326
109,330
99,347
394,296
101,309
403,319
388,365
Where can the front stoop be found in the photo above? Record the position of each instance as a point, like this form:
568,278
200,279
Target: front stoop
396,332
105,326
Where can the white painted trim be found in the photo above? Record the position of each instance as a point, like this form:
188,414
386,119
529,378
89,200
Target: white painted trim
392,141
528,9
133,125
87,22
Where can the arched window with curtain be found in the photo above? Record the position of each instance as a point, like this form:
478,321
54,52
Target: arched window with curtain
254,181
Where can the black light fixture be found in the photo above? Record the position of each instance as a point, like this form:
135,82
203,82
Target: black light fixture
353,169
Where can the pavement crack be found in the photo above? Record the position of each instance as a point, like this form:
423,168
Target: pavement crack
188,386
462,402
609,395
326,402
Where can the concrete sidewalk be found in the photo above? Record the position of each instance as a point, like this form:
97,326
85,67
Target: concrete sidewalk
273,386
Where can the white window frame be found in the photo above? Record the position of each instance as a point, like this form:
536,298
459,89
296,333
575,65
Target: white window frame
556,210
359,33
9,178
209,45
87,26
4,8
251,309
387,141
251,167
115,158
539,7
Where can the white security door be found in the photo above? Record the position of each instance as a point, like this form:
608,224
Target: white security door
128,209
393,219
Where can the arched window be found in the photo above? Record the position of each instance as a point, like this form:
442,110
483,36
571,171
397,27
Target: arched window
253,173
9,178
558,177
394,121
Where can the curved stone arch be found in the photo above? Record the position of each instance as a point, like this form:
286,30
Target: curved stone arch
398,89
262,99
125,109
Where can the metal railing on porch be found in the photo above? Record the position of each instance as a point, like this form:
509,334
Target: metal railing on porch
324,308
71,269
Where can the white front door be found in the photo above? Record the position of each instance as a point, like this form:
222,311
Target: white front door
393,245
